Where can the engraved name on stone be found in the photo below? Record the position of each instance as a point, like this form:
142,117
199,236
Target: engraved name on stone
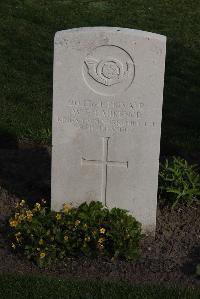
104,115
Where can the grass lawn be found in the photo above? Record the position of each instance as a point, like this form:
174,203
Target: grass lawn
23,286
27,29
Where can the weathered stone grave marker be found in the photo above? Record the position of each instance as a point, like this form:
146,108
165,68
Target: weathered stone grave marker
107,111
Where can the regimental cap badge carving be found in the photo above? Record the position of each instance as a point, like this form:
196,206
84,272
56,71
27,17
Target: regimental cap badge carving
108,70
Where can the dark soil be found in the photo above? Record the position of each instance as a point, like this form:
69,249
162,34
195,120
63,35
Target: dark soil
171,257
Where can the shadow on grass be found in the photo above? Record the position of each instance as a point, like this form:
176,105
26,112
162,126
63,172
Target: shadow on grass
25,171
8,140
181,122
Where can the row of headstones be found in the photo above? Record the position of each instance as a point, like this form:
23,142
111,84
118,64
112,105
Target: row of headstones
107,111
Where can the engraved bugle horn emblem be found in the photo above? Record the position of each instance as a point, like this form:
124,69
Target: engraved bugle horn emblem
108,70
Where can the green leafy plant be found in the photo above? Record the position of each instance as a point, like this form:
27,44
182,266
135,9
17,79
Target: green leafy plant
45,236
178,182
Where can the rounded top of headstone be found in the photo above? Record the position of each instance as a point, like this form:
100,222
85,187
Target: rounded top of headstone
135,32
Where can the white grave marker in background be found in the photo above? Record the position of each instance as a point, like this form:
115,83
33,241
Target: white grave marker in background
107,111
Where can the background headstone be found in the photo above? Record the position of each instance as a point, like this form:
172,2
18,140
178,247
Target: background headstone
107,111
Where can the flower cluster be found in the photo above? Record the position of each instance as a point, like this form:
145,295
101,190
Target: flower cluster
46,236
24,214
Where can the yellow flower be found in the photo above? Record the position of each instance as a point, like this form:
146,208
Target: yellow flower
13,223
13,246
66,207
87,239
41,242
29,215
22,203
66,238
42,255
17,205
85,225
38,249
101,246
37,207
101,240
77,222
18,234
18,218
21,217
102,230
58,216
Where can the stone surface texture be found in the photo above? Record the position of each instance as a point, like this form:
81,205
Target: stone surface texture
107,112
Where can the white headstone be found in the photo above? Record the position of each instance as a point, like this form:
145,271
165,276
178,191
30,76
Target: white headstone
107,111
